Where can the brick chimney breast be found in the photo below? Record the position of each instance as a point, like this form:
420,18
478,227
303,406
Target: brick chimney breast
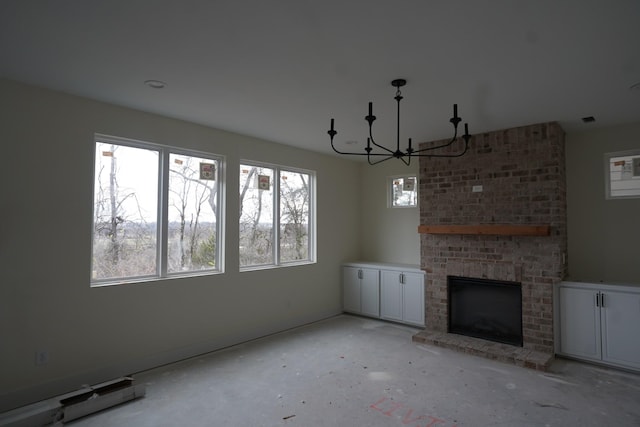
508,177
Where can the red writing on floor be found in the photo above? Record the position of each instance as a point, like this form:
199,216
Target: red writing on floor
389,408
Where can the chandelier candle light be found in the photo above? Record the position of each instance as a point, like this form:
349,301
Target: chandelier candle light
406,155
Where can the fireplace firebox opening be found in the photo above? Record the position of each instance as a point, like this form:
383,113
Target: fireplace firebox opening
487,309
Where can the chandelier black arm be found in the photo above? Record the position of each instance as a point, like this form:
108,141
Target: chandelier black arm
466,148
379,146
455,136
344,152
332,133
379,161
466,138
406,162
356,154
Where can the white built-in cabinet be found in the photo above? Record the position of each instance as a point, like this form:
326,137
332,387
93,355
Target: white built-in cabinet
386,291
361,290
402,296
600,322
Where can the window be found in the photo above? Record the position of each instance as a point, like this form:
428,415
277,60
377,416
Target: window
402,191
622,171
156,211
276,205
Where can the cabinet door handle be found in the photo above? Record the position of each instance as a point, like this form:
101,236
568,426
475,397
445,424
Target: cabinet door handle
401,278
597,299
601,300
359,274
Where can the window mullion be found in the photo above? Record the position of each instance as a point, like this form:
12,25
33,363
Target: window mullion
311,220
276,216
220,216
163,213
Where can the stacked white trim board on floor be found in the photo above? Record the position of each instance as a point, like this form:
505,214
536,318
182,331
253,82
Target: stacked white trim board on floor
74,405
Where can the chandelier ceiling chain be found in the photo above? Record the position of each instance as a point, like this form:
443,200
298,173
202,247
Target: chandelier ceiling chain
409,152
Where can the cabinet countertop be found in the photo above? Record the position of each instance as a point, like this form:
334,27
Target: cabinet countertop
407,268
601,285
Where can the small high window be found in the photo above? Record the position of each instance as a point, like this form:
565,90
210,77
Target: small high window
402,191
622,174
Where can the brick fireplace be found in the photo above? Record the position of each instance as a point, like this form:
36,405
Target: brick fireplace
498,213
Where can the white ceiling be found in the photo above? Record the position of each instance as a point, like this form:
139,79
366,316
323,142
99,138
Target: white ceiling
280,69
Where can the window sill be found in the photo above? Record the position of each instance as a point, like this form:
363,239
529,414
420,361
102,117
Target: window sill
274,266
151,279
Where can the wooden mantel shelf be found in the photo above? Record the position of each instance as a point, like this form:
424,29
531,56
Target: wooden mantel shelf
487,229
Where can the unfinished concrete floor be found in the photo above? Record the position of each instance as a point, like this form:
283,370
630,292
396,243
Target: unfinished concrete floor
352,371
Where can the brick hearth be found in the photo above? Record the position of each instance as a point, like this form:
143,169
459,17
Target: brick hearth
522,175
519,356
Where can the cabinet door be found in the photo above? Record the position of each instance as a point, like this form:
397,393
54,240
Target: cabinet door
390,295
370,292
413,298
351,289
579,323
620,314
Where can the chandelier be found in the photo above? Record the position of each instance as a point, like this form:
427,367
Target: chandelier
409,152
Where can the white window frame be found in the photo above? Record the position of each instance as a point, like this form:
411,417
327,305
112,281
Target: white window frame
162,214
277,263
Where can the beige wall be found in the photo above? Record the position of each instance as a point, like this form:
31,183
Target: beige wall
95,334
603,234
388,234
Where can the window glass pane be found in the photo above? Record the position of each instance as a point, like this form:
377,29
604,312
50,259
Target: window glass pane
256,215
294,216
125,212
192,218
404,191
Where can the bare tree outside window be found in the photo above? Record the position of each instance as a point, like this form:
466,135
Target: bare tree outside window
275,209
256,216
192,213
294,216
125,227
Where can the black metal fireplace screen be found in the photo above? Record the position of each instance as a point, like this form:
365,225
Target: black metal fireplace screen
488,309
